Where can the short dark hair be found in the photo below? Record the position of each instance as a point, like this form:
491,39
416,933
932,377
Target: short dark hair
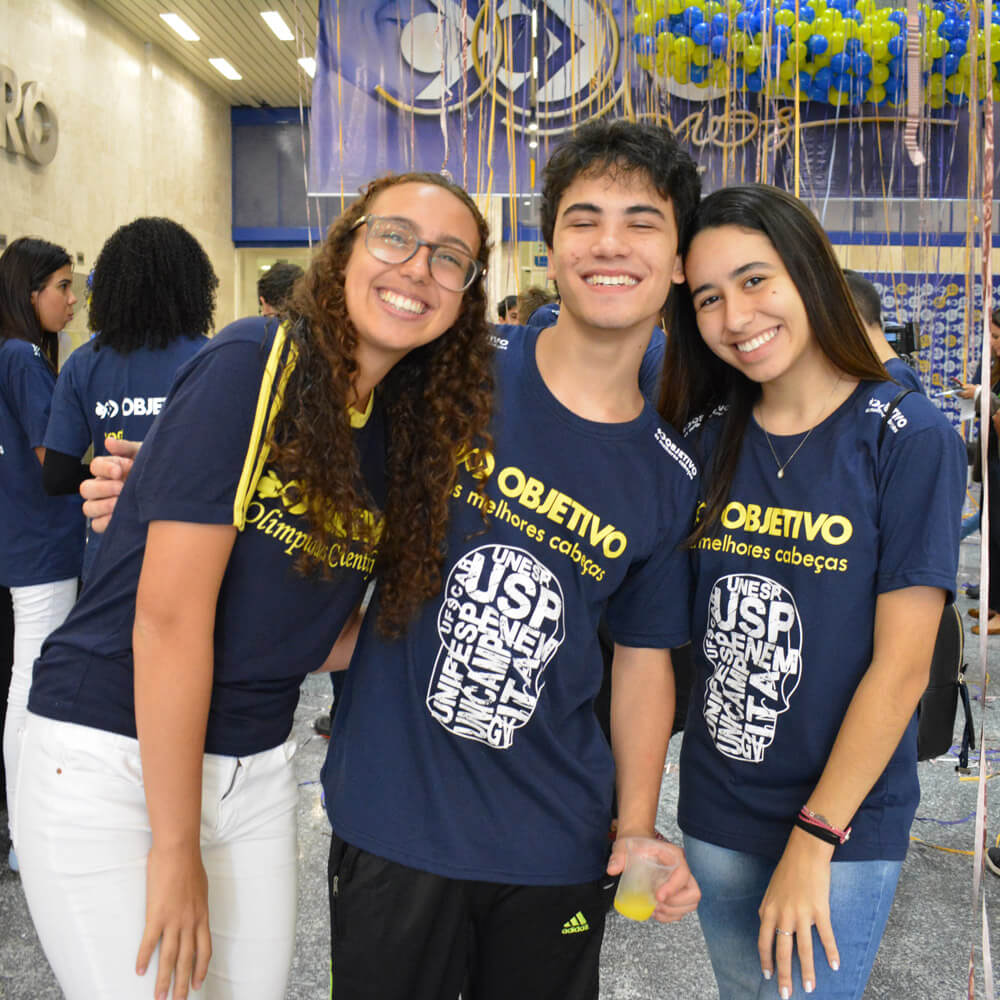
613,147
153,283
506,303
866,297
275,285
25,267
995,316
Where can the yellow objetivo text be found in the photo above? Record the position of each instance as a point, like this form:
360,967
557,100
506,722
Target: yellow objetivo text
769,523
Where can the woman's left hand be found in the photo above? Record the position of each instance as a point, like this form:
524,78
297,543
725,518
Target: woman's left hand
797,898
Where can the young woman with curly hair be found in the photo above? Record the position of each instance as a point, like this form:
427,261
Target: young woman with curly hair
287,463
151,308
41,539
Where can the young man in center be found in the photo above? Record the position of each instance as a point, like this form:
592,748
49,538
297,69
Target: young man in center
468,783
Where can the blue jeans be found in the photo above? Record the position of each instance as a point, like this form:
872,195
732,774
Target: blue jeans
733,884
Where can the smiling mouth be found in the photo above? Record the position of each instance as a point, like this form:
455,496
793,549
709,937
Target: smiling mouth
611,280
398,301
746,346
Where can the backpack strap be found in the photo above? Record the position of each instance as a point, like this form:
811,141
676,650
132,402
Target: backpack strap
896,400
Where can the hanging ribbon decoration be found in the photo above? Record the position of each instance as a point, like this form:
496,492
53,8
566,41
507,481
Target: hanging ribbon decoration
914,92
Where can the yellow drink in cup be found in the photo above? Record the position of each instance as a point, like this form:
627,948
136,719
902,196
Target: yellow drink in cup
635,905
644,873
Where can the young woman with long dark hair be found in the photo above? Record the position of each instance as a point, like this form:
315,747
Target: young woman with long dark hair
287,463
41,538
826,547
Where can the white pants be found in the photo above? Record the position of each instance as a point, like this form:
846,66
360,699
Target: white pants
38,610
83,839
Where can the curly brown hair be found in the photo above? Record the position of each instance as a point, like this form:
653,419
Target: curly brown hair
438,400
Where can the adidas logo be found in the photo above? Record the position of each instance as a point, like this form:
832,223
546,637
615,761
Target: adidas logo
576,924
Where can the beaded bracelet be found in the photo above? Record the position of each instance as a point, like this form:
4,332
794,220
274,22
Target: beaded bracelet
819,826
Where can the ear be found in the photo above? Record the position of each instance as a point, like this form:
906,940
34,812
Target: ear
34,298
677,275
550,272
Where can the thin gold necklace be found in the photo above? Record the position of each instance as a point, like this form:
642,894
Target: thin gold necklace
767,437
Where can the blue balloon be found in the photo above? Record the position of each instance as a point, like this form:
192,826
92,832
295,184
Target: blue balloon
840,63
823,79
899,17
755,81
894,89
861,64
698,74
807,14
897,45
783,34
756,21
948,28
852,47
959,100
738,80
700,34
744,21
854,15
693,16
805,80
718,46
817,45
949,64
842,81
643,45
842,5
956,48
661,27
897,69
720,24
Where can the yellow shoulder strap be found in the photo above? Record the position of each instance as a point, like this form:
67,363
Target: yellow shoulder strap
280,363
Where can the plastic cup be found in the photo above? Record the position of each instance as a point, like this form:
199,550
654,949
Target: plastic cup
644,873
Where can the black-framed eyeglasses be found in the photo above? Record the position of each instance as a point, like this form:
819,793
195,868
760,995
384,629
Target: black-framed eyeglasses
394,241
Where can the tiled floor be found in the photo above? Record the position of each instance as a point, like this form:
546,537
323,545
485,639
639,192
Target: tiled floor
924,955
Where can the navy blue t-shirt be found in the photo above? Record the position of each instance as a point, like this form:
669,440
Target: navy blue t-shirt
784,613
470,747
649,369
904,374
100,393
41,537
204,462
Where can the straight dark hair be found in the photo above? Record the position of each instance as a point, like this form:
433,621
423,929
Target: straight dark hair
25,267
696,381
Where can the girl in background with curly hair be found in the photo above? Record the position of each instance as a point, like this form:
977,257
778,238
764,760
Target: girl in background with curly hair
287,463
151,308
41,539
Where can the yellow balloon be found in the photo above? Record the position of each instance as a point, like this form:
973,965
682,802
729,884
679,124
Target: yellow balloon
880,51
838,97
996,92
935,46
646,63
712,8
935,101
659,8
786,70
879,73
719,74
955,83
837,40
850,28
735,6
643,23
965,65
739,42
701,55
823,60
892,29
937,16
876,94
785,17
935,83
819,6
802,31
751,57
838,18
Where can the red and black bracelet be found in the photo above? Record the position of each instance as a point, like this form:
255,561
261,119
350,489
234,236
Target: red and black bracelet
821,827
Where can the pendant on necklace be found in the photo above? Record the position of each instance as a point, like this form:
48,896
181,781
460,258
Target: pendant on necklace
781,473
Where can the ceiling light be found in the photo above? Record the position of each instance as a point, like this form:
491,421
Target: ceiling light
532,126
277,24
181,27
532,144
308,64
225,67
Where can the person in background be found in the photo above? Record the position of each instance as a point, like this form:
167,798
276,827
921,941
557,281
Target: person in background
151,310
507,309
530,300
971,391
869,306
288,462
826,547
275,287
41,537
